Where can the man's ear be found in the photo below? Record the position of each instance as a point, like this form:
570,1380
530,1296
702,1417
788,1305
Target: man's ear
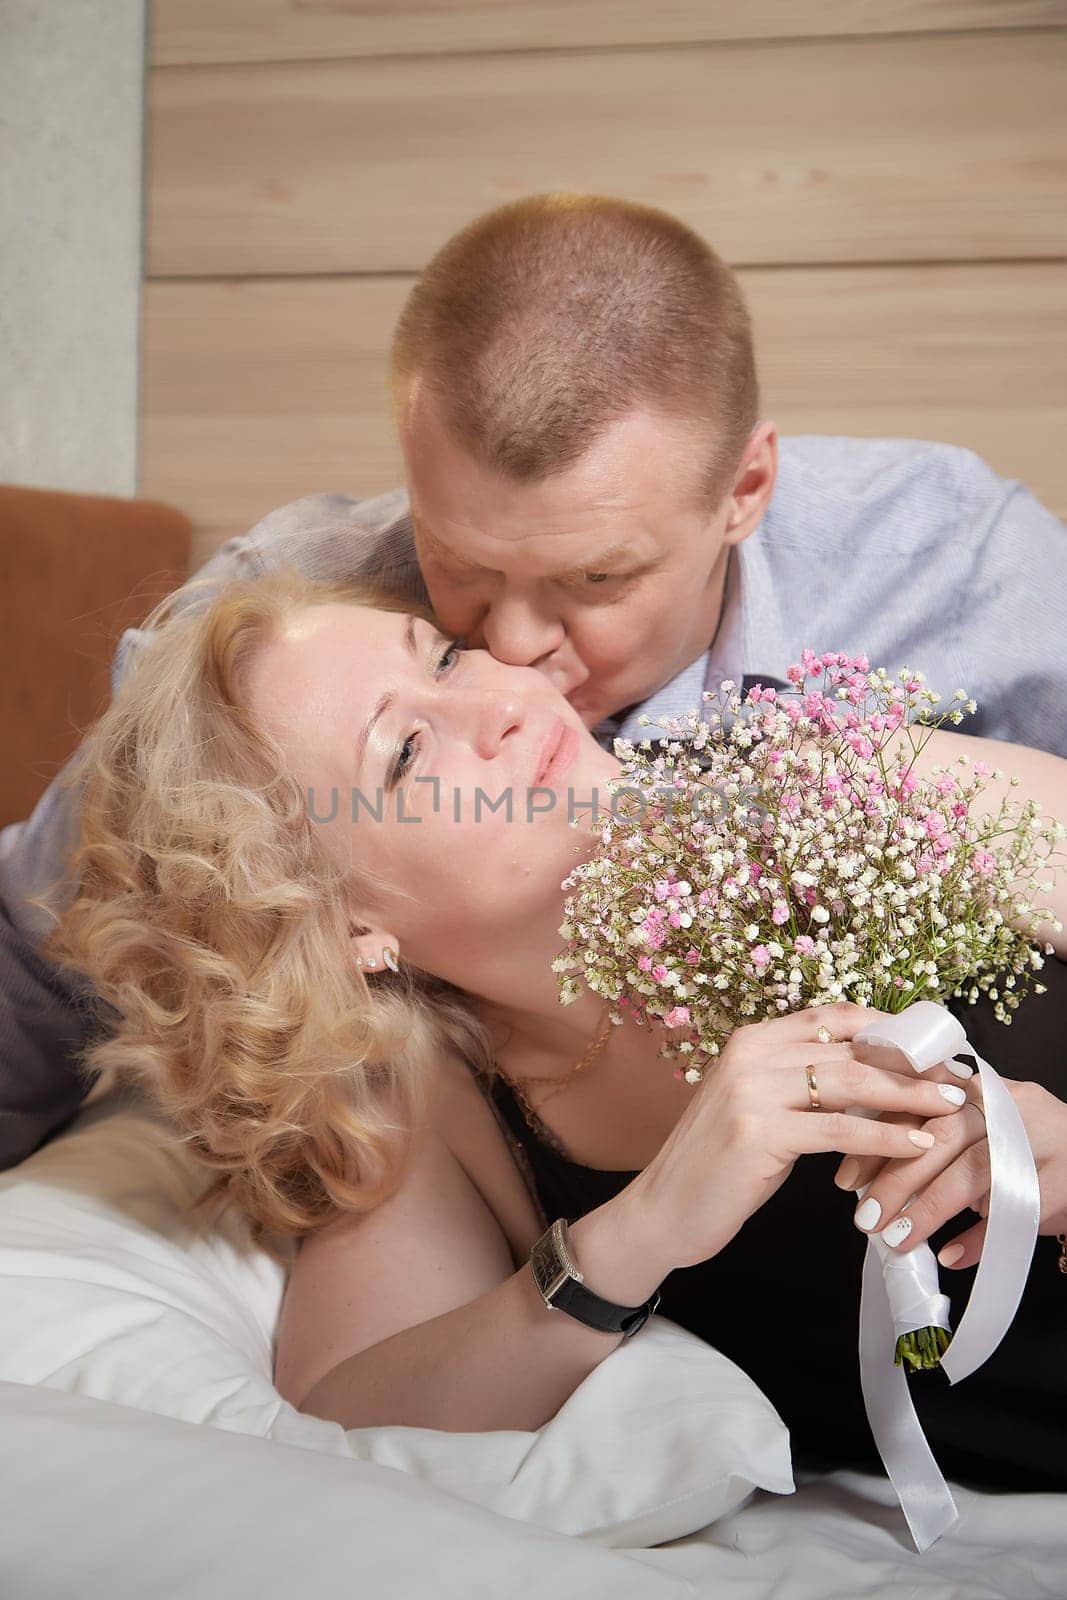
753,483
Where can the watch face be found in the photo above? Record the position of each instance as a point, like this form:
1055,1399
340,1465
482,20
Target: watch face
549,1270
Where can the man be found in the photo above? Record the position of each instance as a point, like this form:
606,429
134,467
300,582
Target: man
576,398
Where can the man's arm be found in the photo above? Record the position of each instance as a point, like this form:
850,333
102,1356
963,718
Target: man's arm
45,1019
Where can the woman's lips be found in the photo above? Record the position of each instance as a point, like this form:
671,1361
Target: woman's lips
557,753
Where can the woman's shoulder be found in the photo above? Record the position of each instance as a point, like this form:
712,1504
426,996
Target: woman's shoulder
471,1125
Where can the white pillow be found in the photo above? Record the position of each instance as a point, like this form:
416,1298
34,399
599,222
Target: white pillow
101,1502
107,1290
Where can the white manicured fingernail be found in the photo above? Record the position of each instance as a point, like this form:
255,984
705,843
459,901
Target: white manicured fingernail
949,1091
867,1215
960,1068
897,1231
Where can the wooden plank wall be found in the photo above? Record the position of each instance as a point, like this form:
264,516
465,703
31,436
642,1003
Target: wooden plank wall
888,179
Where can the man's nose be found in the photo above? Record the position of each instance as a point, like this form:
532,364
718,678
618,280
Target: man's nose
519,633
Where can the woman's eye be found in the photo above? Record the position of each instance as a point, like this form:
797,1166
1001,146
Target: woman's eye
403,760
455,648
445,663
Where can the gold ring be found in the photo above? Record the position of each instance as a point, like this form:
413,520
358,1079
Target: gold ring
824,1035
813,1089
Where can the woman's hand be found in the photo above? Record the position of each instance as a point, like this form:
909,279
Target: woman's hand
751,1117
907,1201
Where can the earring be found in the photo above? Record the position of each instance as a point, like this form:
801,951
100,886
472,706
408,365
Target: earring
390,959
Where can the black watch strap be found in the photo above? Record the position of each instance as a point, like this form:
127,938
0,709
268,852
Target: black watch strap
562,1287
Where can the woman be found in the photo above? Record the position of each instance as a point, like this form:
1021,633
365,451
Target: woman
327,942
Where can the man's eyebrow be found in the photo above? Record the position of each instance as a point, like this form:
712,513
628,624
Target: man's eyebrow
614,554
603,558
385,700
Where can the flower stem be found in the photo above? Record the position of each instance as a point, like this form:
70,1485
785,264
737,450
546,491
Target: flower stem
922,1350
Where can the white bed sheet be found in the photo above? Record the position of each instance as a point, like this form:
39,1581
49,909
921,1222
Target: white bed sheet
842,1537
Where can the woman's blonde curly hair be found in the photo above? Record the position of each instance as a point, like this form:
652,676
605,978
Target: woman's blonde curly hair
202,908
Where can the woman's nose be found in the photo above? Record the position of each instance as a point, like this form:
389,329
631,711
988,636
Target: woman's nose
519,633
497,713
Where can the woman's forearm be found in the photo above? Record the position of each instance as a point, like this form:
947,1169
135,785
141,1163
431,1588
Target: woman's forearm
505,1360
1042,777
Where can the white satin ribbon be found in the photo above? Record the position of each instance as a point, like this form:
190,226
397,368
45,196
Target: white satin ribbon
895,1301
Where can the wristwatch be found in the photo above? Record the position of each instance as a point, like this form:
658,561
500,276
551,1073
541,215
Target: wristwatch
562,1287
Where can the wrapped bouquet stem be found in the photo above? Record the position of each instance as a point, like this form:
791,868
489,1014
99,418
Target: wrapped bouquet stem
782,852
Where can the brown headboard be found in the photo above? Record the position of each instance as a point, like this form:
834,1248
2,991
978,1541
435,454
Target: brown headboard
75,570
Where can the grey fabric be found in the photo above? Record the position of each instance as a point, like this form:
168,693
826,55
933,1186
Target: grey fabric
915,552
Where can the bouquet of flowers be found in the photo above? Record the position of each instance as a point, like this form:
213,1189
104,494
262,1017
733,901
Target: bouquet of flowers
783,853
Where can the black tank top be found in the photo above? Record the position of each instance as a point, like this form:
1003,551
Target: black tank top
782,1299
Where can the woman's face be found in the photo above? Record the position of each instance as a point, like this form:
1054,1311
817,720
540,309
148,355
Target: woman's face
422,764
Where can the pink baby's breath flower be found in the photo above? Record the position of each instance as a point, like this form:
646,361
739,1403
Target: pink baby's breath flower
677,1017
644,963
805,944
692,956
984,863
761,955
779,913
659,972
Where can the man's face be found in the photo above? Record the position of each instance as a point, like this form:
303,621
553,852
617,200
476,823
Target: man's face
606,577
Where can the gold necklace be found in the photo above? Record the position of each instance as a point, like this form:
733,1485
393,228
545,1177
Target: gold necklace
560,1084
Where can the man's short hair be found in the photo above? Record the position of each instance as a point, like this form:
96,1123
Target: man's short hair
542,322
